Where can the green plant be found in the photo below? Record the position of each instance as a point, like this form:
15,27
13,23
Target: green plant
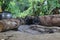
22,8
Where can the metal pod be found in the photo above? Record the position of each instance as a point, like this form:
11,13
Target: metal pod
6,15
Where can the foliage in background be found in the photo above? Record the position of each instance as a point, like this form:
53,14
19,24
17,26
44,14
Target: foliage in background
52,4
21,8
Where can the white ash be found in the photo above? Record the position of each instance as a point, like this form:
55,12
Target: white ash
38,29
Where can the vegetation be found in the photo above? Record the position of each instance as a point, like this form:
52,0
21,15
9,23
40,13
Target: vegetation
21,8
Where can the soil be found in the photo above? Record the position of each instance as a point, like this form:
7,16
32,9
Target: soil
18,35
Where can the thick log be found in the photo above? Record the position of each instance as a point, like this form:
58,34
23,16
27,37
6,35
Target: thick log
7,24
47,20
50,20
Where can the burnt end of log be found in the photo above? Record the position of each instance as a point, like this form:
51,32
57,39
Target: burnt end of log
29,20
47,20
36,20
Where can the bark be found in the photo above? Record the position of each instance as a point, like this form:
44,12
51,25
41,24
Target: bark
50,20
47,20
7,24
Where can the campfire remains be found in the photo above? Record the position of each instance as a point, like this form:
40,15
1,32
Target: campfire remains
32,24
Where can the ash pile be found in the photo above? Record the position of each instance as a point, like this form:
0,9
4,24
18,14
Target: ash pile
38,29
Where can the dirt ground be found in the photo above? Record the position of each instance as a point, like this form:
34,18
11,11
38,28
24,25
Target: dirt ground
16,35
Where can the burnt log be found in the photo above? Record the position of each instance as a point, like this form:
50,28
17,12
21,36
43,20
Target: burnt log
47,20
7,24
50,20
